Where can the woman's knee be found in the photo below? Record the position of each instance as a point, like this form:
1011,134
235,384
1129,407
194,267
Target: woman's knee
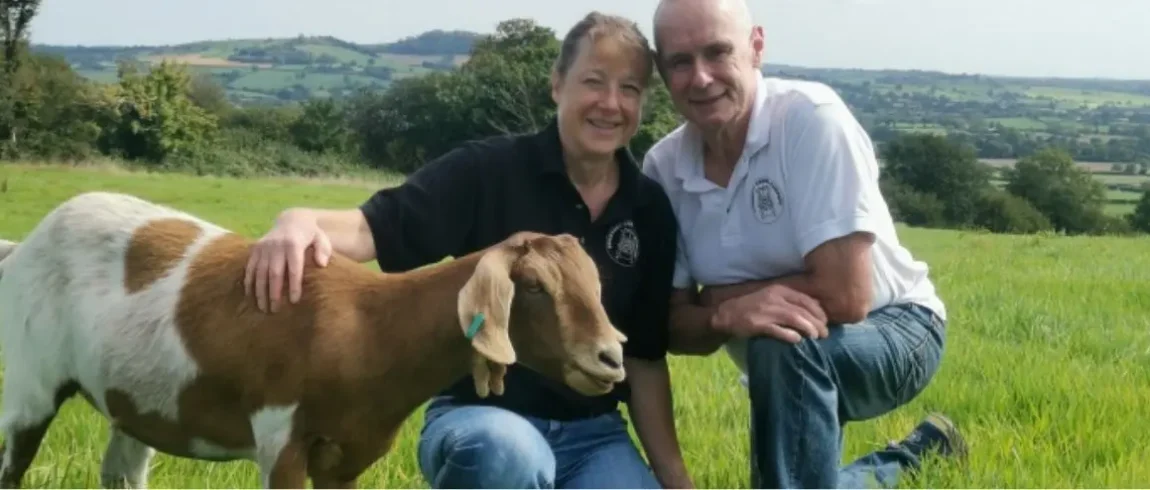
484,447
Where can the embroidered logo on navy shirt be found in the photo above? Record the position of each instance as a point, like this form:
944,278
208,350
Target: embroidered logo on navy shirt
766,201
623,244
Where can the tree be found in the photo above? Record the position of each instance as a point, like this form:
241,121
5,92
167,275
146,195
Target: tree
1068,195
206,93
1140,218
153,115
513,69
321,127
932,165
59,110
15,16
415,120
659,117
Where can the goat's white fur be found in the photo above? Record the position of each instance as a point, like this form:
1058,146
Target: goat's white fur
62,319
6,247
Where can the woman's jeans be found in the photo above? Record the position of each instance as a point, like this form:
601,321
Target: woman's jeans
474,446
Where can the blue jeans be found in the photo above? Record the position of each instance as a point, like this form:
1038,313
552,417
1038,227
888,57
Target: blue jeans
473,446
802,395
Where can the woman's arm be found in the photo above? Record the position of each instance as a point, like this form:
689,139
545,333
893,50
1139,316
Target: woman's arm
650,403
650,408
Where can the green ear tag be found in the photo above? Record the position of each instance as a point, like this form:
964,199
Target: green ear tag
475,324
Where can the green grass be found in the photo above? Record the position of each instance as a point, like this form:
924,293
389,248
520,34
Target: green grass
1119,209
1020,123
344,55
269,80
1120,195
1122,179
1046,368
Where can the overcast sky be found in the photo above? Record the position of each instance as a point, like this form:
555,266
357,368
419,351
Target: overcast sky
1077,38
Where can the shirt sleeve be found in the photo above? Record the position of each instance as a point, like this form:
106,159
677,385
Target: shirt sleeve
430,215
650,316
681,274
831,176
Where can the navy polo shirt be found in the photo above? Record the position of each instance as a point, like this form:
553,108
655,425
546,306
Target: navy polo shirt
486,190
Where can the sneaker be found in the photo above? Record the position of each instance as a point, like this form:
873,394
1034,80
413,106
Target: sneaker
936,433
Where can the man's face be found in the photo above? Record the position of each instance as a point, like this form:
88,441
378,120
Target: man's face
708,59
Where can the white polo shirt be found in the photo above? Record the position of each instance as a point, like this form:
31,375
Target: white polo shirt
808,174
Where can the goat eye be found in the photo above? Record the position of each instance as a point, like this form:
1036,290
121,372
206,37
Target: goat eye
533,288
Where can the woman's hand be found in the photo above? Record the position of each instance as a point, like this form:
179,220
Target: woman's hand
282,250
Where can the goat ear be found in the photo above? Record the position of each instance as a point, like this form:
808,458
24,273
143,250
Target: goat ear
488,376
489,292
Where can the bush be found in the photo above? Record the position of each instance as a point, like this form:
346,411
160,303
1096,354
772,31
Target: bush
1069,196
1105,224
245,153
945,169
1002,212
1140,218
913,207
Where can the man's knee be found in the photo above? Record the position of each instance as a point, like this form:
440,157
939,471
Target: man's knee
768,358
485,447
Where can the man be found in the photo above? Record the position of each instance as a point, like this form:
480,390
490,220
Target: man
774,185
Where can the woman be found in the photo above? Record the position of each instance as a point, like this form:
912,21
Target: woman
576,176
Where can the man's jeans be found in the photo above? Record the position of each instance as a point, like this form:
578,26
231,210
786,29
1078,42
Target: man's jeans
802,394
490,447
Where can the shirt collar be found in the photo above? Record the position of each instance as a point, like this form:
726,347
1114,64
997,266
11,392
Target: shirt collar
551,161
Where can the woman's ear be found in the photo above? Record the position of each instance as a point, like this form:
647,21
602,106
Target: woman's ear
556,85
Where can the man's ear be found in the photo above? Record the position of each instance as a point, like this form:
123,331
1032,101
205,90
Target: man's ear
758,45
484,305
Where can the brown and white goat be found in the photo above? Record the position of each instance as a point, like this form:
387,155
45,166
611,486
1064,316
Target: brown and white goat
141,309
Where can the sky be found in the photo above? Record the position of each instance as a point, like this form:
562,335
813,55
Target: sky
1065,38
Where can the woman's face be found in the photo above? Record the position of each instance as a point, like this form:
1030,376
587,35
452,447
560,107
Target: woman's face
600,98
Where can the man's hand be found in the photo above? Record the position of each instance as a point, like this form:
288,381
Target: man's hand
775,311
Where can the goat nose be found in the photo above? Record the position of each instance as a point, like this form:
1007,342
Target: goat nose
610,358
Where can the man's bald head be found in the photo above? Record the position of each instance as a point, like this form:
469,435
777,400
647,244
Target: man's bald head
725,14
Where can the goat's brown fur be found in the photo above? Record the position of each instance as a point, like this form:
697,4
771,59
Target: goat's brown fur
361,350
155,248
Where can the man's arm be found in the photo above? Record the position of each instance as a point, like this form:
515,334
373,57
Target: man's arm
832,184
837,274
692,331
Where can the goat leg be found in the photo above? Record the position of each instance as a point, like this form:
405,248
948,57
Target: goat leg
287,468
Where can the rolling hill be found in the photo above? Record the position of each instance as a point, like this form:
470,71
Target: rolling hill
284,70
1099,120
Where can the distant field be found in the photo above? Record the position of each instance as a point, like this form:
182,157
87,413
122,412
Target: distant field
202,60
1036,322
1092,167
1121,201
345,69
1089,97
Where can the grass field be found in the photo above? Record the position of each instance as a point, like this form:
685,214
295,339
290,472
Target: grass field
1046,369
